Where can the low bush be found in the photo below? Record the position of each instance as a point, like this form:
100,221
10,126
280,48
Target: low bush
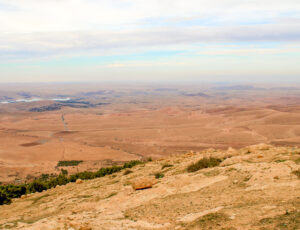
210,221
159,175
3,198
204,163
289,220
130,164
64,172
297,173
127,172
45,181
166,166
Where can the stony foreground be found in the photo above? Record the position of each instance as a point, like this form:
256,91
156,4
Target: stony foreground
253,188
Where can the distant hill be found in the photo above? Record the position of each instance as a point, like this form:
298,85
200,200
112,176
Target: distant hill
237,87
196,95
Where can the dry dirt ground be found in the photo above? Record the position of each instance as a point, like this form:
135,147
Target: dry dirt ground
33,143
253,188
137,121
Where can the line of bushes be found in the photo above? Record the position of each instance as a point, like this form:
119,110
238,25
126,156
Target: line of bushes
8,192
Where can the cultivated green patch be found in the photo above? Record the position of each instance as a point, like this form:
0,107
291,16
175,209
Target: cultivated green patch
68,163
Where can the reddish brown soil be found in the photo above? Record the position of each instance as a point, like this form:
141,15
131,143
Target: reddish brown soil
135,127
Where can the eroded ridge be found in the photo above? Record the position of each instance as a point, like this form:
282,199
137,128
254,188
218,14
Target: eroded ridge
256,187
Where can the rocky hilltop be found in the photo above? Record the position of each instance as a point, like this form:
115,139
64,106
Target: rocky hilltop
257,187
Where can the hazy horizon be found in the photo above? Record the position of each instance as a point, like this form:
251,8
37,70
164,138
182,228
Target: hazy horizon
170,82
145,41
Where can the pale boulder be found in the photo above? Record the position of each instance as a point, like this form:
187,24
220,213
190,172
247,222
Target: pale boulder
231,152
143,183
234,160
260,147
79,181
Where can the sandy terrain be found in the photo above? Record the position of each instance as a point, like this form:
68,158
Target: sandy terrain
254,188
138,123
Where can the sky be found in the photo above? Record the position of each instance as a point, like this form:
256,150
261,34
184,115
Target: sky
150,40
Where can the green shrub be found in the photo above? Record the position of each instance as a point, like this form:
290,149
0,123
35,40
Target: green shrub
44,177
159,175
64,172
11,191
204,163
37,186
130,164
59,180
46,181
4,199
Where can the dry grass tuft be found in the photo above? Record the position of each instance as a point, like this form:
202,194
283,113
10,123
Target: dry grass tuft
204,163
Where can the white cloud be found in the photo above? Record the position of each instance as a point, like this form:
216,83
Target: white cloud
110,42
40,29
69,15
213,51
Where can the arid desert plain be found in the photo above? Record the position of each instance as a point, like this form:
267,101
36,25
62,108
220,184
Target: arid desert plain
107,124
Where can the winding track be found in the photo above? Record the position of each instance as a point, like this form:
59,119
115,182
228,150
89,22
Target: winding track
61,139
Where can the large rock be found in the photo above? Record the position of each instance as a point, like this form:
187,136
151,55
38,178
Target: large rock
234,160
232,152
143,183
259,147
79,181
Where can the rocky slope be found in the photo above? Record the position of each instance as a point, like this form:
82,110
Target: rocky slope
256,187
